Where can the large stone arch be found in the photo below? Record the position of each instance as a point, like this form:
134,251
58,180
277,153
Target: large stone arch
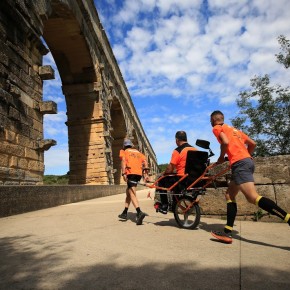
92,83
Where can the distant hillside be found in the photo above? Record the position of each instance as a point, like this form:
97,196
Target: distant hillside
63,179
55,179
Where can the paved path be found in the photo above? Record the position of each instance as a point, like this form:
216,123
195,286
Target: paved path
84,246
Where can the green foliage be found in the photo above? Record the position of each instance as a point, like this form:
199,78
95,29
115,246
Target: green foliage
259,214
284,56
55,179
265,116
162,167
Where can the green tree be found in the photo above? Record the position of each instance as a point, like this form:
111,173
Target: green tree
265,112
55,179
284,56
162,167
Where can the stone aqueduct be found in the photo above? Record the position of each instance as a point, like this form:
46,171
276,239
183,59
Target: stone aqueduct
100,112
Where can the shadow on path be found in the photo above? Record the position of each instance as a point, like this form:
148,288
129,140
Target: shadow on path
209,227
25,268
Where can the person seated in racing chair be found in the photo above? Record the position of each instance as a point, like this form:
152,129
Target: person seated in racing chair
176,165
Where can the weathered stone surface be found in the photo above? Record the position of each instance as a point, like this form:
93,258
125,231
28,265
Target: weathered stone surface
4,161
46,72
282,192
14,114
32,153
274,169
272,181
20,199
214,201
48,107
15,91
4,171
12,150
35,166
44,145
10,136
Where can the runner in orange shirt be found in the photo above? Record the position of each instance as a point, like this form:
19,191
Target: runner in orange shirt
134,166
121,154
176,165
239,148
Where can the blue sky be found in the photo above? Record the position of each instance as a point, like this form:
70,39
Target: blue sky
181,59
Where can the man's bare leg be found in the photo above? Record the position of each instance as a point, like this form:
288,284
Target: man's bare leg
249,190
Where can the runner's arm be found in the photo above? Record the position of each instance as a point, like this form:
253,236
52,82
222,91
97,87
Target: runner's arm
251,145
224,146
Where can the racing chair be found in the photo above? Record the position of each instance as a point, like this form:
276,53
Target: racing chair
185,191
196,164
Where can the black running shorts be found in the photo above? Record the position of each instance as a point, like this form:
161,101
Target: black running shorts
133,179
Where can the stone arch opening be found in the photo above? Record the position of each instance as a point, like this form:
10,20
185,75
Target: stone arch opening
65,39
54,127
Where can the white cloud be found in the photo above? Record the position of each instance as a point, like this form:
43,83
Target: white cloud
54,125
177,119
175,48
56,99
120,52
59,117
56,160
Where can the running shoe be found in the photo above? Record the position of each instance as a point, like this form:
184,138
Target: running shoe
163,208
122,216
139,217
223,237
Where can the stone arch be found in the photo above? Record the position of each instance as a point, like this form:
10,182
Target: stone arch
63,34
92,83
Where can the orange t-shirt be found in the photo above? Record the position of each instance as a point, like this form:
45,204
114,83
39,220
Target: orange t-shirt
237,149
134,161
121,154
178,157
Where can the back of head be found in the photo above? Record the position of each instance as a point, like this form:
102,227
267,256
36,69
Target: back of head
127,143
217,116
181,136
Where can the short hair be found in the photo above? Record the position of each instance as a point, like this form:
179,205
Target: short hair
181,136
217,112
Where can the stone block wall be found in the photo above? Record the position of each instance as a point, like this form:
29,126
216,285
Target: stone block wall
21,199
21,104
272,178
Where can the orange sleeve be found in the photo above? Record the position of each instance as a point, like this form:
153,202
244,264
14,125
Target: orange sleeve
217,130
121,154
174,157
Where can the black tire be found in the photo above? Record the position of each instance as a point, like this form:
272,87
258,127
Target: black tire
187,218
